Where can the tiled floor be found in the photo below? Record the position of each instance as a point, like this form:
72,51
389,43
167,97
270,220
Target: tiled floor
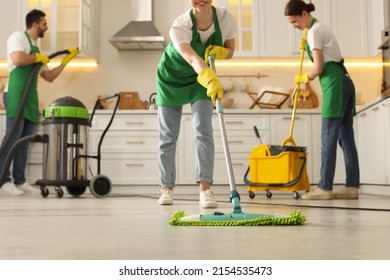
129,226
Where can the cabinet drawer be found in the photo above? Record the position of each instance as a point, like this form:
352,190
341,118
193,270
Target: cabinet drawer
126,142
139,122
129,169
243,122
240,163
240,141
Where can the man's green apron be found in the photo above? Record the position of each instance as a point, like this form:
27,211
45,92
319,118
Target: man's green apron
176,79
331,81
16,84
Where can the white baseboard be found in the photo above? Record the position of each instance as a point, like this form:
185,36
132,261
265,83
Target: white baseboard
375,189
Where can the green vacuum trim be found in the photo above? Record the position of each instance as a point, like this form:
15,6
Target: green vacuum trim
179,219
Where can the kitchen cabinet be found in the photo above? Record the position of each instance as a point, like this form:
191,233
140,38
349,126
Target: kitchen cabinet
129,149
245,15
264,31
387,139
351,32
72,23
278,38
9,24
241,141
372,144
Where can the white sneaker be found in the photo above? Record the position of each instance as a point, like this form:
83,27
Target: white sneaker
10,189
316,193
28,189
166,197
206,200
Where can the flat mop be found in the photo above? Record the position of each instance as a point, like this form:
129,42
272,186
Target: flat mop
237,217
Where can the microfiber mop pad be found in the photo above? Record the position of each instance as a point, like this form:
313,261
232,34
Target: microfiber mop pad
219,219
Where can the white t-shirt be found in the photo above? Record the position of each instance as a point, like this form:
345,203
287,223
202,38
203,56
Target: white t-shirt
181,30
18,41
321,37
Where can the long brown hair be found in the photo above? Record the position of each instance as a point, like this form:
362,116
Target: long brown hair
296,8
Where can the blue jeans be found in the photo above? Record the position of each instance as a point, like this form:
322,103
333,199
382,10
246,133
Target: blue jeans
24,128
169,127
340,130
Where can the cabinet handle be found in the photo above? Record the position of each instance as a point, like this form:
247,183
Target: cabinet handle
238,164
375,109
134,164
362,115
135,142
236,142
289,118
35,163
238,122
134,123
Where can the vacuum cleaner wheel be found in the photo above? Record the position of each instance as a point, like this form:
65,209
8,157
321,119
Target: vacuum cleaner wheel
100,186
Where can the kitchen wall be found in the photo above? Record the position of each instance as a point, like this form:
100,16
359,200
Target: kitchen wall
135,70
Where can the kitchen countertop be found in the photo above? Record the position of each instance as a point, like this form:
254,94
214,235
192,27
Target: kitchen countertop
187,110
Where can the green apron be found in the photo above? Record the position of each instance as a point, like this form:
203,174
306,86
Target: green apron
331,81
176,79
16,84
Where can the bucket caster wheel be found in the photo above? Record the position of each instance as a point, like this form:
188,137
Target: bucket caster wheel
60,192
100,186
44,192
251,194
268,194
76,191
296,195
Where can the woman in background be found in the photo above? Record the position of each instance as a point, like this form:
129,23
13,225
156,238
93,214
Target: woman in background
184,77
338,102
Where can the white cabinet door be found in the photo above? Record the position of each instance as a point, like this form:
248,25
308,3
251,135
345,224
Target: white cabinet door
349,24
387,140
72,23
278,38
372,145
375,25
280,128
9,23
89,39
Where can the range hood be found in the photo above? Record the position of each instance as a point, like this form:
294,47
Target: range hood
140,33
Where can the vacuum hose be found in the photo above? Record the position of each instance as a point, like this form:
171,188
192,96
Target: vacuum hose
19,113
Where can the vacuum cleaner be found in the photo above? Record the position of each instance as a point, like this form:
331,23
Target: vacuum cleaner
65,145
237,217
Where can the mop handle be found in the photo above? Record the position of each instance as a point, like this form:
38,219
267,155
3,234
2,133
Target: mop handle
228,160
295,95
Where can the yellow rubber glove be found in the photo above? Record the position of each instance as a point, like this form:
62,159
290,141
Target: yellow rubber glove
41,58
302,44
73,52
301,78
209,80
216,51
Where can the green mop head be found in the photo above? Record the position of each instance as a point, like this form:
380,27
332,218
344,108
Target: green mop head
235,219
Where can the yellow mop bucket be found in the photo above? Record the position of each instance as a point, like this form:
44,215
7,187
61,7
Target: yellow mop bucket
273,167
280,167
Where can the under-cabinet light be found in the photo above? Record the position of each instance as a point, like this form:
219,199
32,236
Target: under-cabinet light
77,63
370,64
